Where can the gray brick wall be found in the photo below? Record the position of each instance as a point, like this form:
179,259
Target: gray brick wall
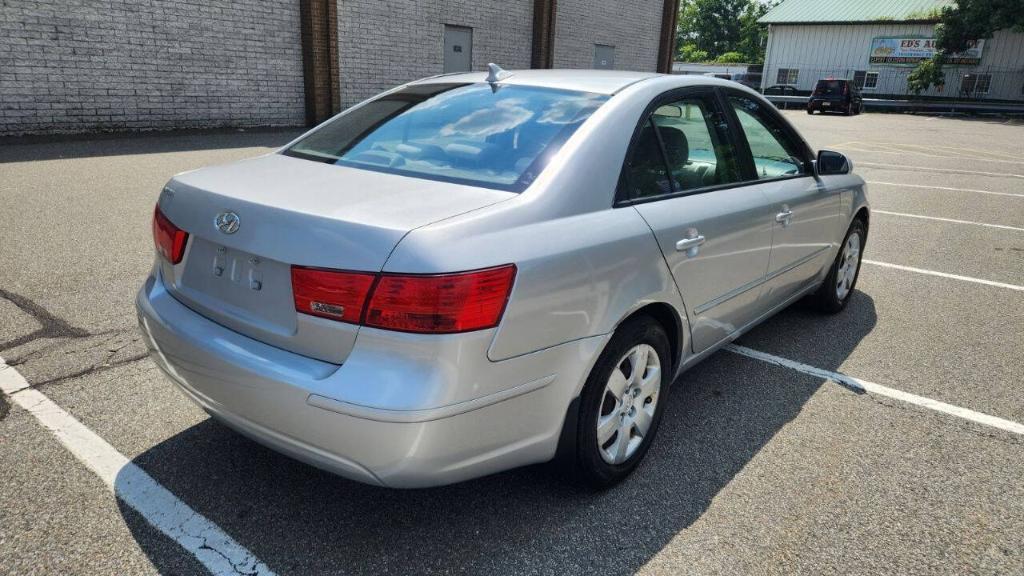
633,27
86,65
383,43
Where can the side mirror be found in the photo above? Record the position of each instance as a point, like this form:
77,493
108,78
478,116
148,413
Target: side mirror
830,163
669,111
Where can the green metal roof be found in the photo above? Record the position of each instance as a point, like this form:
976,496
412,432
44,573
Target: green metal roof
817,11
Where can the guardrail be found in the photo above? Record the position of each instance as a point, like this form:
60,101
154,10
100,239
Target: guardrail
800,102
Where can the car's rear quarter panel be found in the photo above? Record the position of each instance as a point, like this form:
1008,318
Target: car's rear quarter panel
577,276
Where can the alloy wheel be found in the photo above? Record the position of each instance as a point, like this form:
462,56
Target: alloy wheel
848,264
628,404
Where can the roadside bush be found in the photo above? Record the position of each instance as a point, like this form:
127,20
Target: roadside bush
731,58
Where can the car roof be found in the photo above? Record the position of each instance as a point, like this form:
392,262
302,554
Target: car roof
595,81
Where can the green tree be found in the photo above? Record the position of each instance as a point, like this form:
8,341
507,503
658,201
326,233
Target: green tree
753,34
958,28
716,27
926,74
711,25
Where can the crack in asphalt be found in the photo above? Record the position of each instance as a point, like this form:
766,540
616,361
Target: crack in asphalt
50,326
247,570
17,360
94,369
60,332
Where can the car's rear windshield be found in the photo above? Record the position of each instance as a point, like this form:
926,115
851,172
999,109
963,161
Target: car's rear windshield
500,137
829,87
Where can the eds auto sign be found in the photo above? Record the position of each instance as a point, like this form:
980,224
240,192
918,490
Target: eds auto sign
912,51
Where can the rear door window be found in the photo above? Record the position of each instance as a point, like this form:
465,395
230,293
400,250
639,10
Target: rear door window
696,149
466,133
682,146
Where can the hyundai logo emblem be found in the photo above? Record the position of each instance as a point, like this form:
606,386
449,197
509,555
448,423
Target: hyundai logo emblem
227,222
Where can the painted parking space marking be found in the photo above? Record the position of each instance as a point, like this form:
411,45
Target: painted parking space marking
942,170
945,275
217,551
925,186
863,386
950,220
924,154
979,152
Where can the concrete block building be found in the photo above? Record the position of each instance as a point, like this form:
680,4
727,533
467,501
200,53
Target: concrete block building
877,43
88,65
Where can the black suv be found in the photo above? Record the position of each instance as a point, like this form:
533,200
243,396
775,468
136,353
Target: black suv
835,96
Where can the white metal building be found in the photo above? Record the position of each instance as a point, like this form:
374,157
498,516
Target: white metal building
877,43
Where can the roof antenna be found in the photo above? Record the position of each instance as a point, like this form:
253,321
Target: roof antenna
495,74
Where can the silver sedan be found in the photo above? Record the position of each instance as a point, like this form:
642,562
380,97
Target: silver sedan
475,272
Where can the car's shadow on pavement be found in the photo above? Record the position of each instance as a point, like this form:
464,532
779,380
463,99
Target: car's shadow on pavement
300,520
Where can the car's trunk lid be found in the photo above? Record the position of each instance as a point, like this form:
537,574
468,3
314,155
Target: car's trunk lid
294,212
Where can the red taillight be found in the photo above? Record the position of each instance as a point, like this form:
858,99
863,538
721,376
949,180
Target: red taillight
441,303
330,293
434,303
169,239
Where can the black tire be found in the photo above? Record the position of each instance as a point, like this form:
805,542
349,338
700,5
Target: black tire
809,111
827,298
588,464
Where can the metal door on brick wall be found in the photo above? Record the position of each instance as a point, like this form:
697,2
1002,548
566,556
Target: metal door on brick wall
458,49
604,57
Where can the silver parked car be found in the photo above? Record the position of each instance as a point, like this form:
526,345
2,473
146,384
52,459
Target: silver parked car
475,272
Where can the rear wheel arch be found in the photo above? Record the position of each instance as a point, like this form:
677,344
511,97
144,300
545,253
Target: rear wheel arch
863,216
669,318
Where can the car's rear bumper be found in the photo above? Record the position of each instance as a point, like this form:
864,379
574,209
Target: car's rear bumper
819,104
403,411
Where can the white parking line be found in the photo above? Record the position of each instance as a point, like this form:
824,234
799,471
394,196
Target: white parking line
945,275
879,390
952,220
943,170
220,553
943,188
947,156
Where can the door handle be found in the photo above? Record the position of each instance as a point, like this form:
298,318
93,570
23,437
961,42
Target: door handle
690,245
784,217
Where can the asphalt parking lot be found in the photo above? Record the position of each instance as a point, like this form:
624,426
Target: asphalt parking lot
759,468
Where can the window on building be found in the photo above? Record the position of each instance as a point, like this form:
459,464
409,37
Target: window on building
787,76
984,82
863,79
975,84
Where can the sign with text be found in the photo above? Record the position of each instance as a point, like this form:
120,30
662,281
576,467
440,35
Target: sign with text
912,51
